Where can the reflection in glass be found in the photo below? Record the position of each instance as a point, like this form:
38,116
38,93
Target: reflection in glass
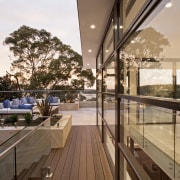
126,172
108,45
99,60
109,78
100,124
151,134
151,56
109,112
130,12
109,144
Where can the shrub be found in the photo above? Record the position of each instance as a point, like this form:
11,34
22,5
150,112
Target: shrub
28,118
12,119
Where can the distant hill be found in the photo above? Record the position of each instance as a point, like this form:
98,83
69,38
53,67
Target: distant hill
160,90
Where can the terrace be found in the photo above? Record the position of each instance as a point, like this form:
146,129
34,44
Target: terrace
28,154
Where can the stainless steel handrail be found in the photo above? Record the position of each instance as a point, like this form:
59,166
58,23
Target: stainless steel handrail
20,140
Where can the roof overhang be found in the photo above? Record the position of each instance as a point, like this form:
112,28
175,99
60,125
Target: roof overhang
92,12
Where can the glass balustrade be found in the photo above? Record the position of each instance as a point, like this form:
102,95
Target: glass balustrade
152,135
22,143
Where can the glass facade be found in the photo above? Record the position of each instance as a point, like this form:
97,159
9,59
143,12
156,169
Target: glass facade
108,45
139,101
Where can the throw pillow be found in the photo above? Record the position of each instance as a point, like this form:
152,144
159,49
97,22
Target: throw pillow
1,106
55,99
6,103
15,101
31,100
50,99
23,101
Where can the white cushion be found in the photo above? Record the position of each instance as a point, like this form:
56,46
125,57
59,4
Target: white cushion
31,100
1,106
15,101
23,101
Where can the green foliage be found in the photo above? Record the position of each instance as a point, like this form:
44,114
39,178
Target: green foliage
70,97
6,84
44,107
12,119
28,118
42,61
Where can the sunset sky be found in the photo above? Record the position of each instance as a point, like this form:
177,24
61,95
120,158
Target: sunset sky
59,17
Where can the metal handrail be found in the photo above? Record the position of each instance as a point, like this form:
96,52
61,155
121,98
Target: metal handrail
156,101
12,136
20,140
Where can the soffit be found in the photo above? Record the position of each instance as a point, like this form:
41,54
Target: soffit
90,12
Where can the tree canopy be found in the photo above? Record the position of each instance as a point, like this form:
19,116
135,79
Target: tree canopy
42,61
144,46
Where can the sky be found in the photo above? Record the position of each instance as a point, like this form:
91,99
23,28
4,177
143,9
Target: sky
59,17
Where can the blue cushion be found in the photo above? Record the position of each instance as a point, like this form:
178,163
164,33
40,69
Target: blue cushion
14,106
50,99
6,103
28,99
25,106
55,99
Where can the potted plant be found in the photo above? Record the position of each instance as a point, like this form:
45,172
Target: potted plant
44,107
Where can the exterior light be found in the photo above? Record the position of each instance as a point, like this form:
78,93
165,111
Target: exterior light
89,50
120,27
88,64
168,5
92,26
132,41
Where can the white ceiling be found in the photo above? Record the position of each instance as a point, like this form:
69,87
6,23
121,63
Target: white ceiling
90,12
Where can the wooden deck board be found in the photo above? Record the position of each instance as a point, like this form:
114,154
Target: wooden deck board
105,165
76,159
90,165
82,158
96,155
69,158
83,162
60,166
55,159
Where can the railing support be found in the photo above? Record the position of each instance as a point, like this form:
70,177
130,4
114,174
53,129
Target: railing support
15,164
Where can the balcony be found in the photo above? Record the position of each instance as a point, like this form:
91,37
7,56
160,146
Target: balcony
82,157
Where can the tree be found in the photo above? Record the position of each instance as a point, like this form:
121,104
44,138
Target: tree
43,61
7,84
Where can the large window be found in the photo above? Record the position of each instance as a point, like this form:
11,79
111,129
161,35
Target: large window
151,55
150,67
129,11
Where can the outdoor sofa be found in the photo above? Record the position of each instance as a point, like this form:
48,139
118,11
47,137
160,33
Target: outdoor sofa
23,105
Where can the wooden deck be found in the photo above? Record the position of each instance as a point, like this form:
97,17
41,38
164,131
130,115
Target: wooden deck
82,158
